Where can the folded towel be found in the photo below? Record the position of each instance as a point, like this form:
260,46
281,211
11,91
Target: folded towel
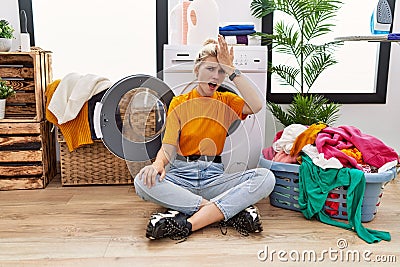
72,93
232,33
243,40
236,27
237,39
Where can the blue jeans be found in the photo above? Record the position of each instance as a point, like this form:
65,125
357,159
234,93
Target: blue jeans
186,184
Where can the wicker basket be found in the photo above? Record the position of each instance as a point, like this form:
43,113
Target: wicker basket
286,191
95,164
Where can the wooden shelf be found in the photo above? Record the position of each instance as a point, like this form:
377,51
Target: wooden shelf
27,145
29,73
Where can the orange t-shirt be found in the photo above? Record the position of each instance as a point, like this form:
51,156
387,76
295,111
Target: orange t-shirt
198,125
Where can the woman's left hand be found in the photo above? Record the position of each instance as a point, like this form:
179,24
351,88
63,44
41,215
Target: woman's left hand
224,55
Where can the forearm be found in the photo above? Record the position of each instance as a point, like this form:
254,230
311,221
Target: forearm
164,155
249,92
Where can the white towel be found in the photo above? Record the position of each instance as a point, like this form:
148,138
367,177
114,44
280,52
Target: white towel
288,137
72,93
319,159
251,40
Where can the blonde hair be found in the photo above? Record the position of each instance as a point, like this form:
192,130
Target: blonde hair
209,49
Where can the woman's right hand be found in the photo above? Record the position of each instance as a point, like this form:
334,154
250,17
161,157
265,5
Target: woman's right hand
225,55
149,173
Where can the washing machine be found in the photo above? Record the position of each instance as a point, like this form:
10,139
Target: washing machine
245,139
130,118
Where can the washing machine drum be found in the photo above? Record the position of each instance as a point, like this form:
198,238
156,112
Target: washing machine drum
131,116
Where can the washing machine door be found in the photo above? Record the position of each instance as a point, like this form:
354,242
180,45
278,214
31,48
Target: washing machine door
130,118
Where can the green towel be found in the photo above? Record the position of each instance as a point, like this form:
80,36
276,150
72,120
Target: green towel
315,183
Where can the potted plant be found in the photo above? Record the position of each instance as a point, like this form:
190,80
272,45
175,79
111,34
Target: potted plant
6,35
310,20
5,92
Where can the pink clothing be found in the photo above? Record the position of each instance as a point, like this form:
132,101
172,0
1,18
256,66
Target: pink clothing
269,152
332,139
281,156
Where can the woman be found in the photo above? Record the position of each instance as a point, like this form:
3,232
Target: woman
196,189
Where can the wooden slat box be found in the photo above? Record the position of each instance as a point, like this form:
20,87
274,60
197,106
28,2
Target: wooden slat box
95,164
27,155
29,73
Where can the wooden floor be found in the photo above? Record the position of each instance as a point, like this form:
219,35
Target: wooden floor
105,226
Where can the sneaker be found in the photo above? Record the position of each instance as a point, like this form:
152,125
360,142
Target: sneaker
245,222
172,224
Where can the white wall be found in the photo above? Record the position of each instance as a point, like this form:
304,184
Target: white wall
113,39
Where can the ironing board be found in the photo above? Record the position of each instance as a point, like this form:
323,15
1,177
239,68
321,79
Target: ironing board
369,38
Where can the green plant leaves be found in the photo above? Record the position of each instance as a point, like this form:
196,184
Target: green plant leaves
5,90
310,20
262,8
306,109
6,30
295,38
287,74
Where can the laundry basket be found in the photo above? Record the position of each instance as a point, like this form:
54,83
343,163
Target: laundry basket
286,191
94,164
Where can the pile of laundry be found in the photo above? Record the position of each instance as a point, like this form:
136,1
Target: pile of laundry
332,147
70,103
332,157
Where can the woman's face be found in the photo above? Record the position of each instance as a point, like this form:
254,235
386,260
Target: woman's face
210,75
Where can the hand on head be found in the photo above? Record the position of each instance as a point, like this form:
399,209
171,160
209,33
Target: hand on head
224,54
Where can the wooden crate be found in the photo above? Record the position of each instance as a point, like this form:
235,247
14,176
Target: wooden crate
27,155
95,164
29,73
